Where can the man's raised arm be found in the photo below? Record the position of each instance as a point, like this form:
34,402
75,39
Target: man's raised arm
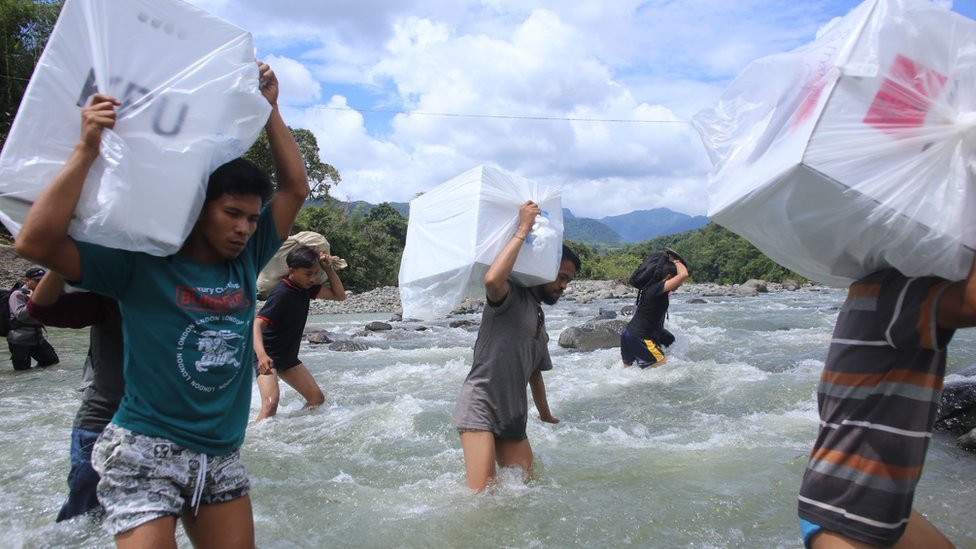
44,236
289,164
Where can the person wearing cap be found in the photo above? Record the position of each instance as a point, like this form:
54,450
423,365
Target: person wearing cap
26,336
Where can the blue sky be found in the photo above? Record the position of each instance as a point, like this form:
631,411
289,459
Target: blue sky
405,94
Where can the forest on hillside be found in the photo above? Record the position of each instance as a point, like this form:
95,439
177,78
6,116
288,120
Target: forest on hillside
372,241
713,253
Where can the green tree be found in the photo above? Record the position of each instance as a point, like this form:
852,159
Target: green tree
386,218
321,176
365,242
25,26
715,254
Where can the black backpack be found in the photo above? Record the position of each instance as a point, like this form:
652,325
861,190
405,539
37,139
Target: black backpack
650,270
653,268
6,322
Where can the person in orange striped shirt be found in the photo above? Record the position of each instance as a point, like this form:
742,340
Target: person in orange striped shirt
878,398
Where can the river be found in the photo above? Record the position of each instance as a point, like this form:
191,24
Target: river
706,451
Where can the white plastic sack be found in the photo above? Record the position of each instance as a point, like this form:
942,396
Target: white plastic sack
456,230
278,267
188,84
856,152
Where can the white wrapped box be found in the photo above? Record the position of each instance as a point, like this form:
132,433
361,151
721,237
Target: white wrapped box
856,152
456,230
188,85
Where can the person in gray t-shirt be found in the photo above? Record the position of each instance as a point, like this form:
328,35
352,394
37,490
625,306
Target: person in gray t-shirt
511,352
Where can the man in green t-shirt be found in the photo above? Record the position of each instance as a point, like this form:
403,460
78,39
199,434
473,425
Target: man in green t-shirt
173,447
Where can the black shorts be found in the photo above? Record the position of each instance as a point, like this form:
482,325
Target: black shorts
21,355
278,363
644,352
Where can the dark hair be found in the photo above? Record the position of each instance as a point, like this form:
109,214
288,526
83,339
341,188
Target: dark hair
570,255
301,257
669,269
239,177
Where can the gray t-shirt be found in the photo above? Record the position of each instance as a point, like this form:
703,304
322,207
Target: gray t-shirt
512,344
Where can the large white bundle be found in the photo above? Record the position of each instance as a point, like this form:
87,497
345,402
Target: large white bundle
190,102
856,152
456,230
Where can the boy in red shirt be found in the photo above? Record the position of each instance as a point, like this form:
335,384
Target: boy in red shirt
279,326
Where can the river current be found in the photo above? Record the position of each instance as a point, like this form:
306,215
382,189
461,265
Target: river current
706,451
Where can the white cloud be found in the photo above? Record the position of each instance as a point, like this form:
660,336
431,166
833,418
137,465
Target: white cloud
529,67
298,86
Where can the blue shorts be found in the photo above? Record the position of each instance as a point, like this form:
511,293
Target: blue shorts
642,351
809,529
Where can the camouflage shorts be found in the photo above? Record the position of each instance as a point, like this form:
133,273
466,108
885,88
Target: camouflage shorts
144,478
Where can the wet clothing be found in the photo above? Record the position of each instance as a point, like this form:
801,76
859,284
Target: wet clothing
644,338
82,478
103,381
878,398
512,344
42,353
103,385
145,478
286,312
187,327
25,339
644,352
807,531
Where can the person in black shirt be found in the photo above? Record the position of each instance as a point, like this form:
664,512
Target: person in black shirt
644,338
279,325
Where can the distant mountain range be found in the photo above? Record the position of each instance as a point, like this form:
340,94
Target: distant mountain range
614,230
642,225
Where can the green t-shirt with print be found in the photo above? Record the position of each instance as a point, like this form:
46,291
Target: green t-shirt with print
187,331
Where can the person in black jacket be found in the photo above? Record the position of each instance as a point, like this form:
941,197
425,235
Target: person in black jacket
643,340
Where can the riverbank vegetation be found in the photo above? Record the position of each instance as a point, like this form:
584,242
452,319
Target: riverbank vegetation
714,255
372,241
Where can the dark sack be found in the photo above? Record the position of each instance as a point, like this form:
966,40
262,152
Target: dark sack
651,270
667,338
6,323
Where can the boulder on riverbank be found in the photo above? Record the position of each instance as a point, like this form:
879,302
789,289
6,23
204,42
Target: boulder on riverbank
957,410
594,334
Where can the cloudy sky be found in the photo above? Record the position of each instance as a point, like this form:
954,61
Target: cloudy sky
592,95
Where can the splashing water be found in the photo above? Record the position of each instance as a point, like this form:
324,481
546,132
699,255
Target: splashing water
706,451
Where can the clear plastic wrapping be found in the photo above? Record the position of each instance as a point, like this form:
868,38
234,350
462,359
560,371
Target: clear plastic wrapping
855,152
188,84
456,230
